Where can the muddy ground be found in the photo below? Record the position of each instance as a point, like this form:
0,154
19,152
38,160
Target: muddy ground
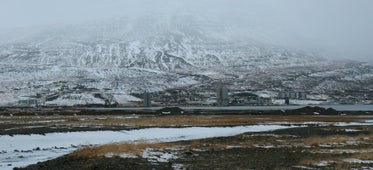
316,146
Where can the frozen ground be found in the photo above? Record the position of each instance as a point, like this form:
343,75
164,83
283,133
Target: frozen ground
22,150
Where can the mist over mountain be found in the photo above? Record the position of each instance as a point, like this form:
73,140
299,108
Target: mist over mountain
142,42
107,59
340,28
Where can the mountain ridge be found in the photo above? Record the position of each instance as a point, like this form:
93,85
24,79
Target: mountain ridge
137,55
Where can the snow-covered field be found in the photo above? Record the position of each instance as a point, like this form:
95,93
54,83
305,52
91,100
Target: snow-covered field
22,150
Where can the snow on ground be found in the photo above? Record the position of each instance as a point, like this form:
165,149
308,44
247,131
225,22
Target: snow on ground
313,123
352,130
155,156
324,163
6,99
364,123
123,98
22,150
353,160
74,99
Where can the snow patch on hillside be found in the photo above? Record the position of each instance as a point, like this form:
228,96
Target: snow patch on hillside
75,99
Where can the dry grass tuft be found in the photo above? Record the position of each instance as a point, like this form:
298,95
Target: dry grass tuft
195,144
116,149
364,155
339,139
335,139
308,162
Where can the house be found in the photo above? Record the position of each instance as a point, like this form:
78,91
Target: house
28,103
249,98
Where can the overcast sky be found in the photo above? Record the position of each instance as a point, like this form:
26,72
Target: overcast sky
341,27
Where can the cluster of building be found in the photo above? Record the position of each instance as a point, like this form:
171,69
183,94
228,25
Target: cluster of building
212,95
220,97
292,95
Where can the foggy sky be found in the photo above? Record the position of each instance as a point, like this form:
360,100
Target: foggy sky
343,28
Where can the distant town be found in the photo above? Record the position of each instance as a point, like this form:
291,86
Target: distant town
221,97
213,95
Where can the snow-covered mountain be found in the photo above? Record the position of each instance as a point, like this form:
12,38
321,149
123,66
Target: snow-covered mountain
130,55
147,42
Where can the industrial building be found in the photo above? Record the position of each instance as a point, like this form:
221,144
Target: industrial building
222,98
292,95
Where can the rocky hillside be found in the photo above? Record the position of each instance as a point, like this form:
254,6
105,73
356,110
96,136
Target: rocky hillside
129,55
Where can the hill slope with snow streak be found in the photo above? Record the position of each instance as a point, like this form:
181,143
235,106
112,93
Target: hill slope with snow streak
131,55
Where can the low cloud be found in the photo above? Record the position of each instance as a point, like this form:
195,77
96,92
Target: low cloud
342,28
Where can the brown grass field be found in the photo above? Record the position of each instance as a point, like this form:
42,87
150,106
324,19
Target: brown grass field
318,145
175,120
